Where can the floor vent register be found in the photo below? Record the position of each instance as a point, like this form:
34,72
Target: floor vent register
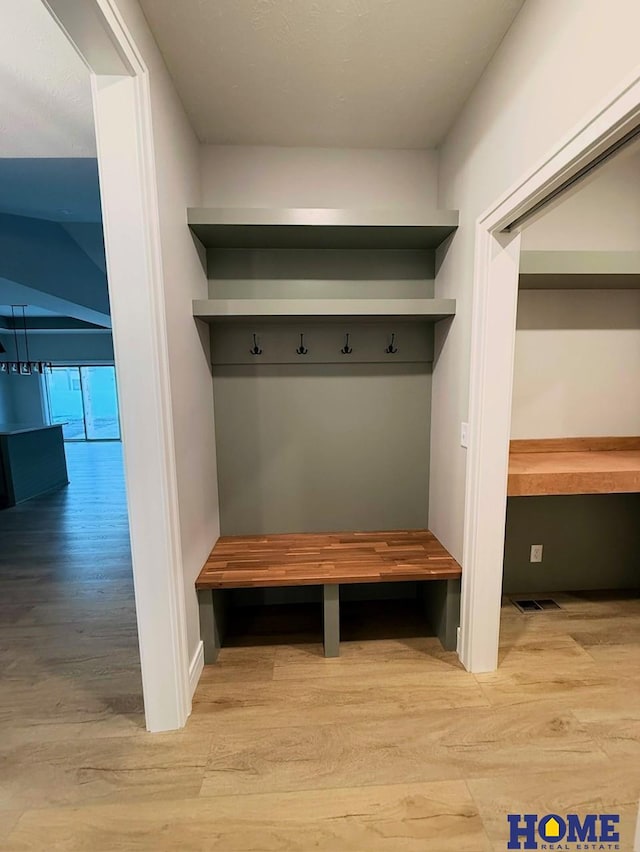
527,605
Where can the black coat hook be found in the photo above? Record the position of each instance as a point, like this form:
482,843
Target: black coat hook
255,349
302,350
346,349
391,349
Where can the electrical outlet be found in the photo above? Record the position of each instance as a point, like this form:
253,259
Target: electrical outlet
536,553
464,435
458,635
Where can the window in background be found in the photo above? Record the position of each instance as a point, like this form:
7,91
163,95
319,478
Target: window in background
100,403
85,401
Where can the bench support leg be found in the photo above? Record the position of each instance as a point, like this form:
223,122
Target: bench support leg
212,618
442,604
331,595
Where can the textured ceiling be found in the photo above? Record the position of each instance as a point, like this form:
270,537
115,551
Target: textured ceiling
352,73
45,95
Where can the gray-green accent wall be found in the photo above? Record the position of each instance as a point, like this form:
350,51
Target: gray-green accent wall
331,442
589,542
322,447
320,273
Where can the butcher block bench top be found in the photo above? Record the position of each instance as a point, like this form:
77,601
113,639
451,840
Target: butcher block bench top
310,559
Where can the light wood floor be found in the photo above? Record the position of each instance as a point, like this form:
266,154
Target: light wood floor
392,746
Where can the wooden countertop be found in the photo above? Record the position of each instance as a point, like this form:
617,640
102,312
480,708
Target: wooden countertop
309,559
574,466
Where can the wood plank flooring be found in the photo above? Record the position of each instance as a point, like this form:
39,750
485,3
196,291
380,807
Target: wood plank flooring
392,746
312,559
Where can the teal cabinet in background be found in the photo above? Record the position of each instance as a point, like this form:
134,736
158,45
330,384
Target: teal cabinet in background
32,462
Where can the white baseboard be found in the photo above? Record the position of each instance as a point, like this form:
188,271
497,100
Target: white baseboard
195,667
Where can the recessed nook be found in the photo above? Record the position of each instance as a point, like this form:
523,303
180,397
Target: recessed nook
322,351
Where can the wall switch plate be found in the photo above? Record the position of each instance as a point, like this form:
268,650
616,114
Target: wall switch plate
464,435
536,553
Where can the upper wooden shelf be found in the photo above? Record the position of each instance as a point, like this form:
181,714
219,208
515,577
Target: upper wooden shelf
307,227
574,466
579,270
261,310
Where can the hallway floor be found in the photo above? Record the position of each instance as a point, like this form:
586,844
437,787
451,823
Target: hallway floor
392,746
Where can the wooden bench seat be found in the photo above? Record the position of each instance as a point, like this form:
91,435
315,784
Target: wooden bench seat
328,560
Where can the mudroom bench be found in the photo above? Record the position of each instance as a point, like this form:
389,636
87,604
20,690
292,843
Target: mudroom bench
329,560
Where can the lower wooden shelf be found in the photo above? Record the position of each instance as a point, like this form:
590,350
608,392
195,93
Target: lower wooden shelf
574,466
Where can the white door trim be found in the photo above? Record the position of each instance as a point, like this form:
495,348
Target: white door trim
126,163
492,354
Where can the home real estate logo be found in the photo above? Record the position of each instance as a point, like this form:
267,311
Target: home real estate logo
551,831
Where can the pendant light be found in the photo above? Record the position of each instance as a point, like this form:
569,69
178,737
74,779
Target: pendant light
21,367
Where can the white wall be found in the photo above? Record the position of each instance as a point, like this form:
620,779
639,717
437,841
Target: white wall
6,400
253,176
577,364
557,63
602,214
69,348
578,351
22,397
178,184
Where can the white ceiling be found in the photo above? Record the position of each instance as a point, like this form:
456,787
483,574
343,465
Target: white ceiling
61,189
29,311
45,95
349,73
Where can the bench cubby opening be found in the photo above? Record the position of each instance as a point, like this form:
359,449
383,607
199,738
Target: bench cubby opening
356,566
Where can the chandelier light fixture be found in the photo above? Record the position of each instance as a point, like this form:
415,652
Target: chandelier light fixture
21,366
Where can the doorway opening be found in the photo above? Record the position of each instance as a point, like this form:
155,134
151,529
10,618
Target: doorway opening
573,492
84,399
71,655
493,342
